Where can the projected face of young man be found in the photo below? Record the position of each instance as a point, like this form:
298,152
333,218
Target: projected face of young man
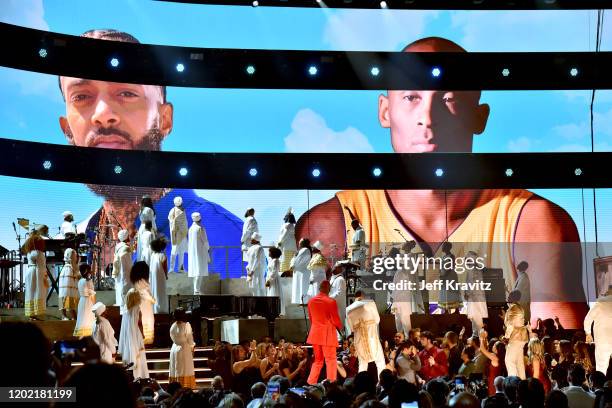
114,115
432,121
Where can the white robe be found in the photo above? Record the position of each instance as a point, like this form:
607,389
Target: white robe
338,293
273,277
198,251
68,290
36,284
67,226
317,274
358,247
85,317
178,235
158,282
600,316
475,301
286,243
181,357
146,310
248,228
363,318
131,342
144,246
406,301
146,214
301,277
256,268
104,336
122,266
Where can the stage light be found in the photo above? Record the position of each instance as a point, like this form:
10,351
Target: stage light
505,72
377,172
436,72
47,165
578,171
114,62
312,70
250,70
375,71
574,72
42,52
316,172
383,5
253,172
183,171
439,172
509,172
255,3
118,169
180,67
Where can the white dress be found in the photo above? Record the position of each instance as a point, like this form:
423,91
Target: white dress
68,297
406,301
363,318
104,336
248,228
131,343
286,243
317,267
256,267
301,277
515,359
146,310
158,282
178,236
146,214
338,293
198,252
181,357
36,284
85,317
476,302
122,266
273,277
144,246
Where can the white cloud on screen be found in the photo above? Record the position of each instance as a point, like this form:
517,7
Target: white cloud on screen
578,134
311,134
27,13
519,145
374,30
541,30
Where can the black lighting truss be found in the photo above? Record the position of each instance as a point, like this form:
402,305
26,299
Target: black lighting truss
61,54
418,4
294,171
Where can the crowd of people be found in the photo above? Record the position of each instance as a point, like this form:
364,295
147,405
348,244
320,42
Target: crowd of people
421,369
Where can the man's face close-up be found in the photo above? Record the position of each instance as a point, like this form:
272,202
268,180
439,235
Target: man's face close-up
432,121
114,115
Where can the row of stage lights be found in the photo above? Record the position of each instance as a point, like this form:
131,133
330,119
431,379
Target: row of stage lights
312,70
316,172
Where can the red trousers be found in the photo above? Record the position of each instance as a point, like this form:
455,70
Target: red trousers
327,353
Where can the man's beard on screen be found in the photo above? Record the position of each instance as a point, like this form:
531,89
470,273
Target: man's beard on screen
150,142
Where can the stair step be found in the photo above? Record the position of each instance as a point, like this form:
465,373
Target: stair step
156,370
167,360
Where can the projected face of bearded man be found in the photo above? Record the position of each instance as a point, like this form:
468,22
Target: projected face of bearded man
114,115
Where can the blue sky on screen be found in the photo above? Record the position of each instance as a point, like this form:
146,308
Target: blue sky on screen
305,121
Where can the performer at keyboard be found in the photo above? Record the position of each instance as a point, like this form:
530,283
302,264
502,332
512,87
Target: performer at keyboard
324,320
363,318
68,226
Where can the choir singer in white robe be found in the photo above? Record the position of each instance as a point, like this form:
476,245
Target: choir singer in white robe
122,266
475,300
301,274
256,266
338,292
286,241
406,301
178,233
104,335
248,229
362,318
600,317
198,258
317,267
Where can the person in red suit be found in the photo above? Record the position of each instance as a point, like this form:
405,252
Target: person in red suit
433,360
324,320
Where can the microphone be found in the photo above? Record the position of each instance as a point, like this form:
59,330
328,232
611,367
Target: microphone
395,229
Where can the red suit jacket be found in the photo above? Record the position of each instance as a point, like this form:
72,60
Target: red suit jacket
324,318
